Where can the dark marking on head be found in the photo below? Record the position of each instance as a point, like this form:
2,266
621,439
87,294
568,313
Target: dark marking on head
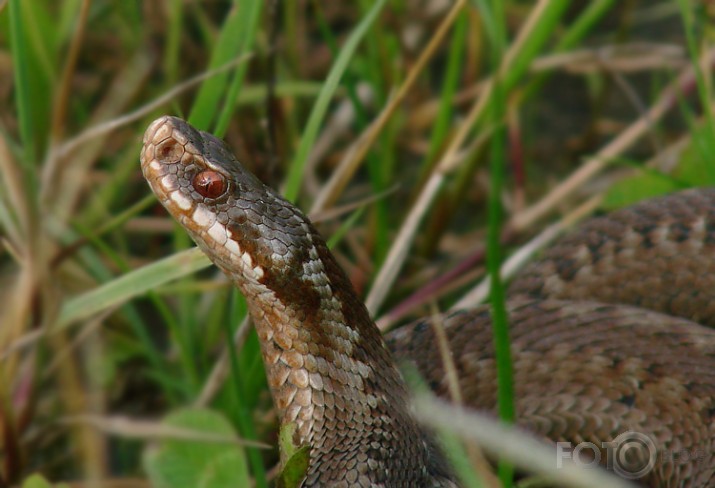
169,151
286,280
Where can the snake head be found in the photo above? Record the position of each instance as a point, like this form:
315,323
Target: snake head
245,227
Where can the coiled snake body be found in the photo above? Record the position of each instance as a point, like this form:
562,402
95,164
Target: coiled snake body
584,370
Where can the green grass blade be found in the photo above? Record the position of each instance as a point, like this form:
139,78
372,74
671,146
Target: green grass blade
574,34
131,285
227,47
500,325
173,40
542,31
593,12
247,27
295,174
455,63
22,82
704,88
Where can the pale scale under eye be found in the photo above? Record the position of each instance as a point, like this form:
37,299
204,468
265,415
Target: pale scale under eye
218,233
170,182
204,217
181,200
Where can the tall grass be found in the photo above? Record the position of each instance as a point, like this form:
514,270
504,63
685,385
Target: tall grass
108,315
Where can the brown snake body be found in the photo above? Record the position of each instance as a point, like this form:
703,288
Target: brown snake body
583,370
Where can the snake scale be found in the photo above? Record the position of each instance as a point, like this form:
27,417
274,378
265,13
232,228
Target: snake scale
605,328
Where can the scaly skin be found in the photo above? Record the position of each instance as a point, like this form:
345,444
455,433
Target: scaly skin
584,371
328,368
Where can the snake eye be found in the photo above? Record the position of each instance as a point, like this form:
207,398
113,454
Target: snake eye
210,184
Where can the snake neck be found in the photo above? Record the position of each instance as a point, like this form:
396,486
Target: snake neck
332,376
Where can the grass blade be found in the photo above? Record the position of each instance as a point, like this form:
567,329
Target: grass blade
131,285
295,174
22,82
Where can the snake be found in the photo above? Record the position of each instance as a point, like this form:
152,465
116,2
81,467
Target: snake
610,330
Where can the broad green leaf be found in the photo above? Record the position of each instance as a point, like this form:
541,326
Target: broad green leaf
38,481
631,190
194,463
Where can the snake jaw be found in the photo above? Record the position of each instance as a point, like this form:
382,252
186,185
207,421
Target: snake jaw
174,153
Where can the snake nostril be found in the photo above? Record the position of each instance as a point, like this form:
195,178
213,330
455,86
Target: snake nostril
169,151
210,184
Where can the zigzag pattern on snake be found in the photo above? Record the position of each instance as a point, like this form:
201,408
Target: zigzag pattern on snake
606,328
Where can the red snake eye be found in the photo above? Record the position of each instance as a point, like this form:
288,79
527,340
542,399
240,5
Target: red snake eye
210,184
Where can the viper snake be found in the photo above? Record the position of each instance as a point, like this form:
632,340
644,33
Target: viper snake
609,329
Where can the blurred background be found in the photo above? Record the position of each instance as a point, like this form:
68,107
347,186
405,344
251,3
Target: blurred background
390,122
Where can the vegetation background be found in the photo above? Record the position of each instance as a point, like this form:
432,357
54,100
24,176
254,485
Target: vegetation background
416,132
